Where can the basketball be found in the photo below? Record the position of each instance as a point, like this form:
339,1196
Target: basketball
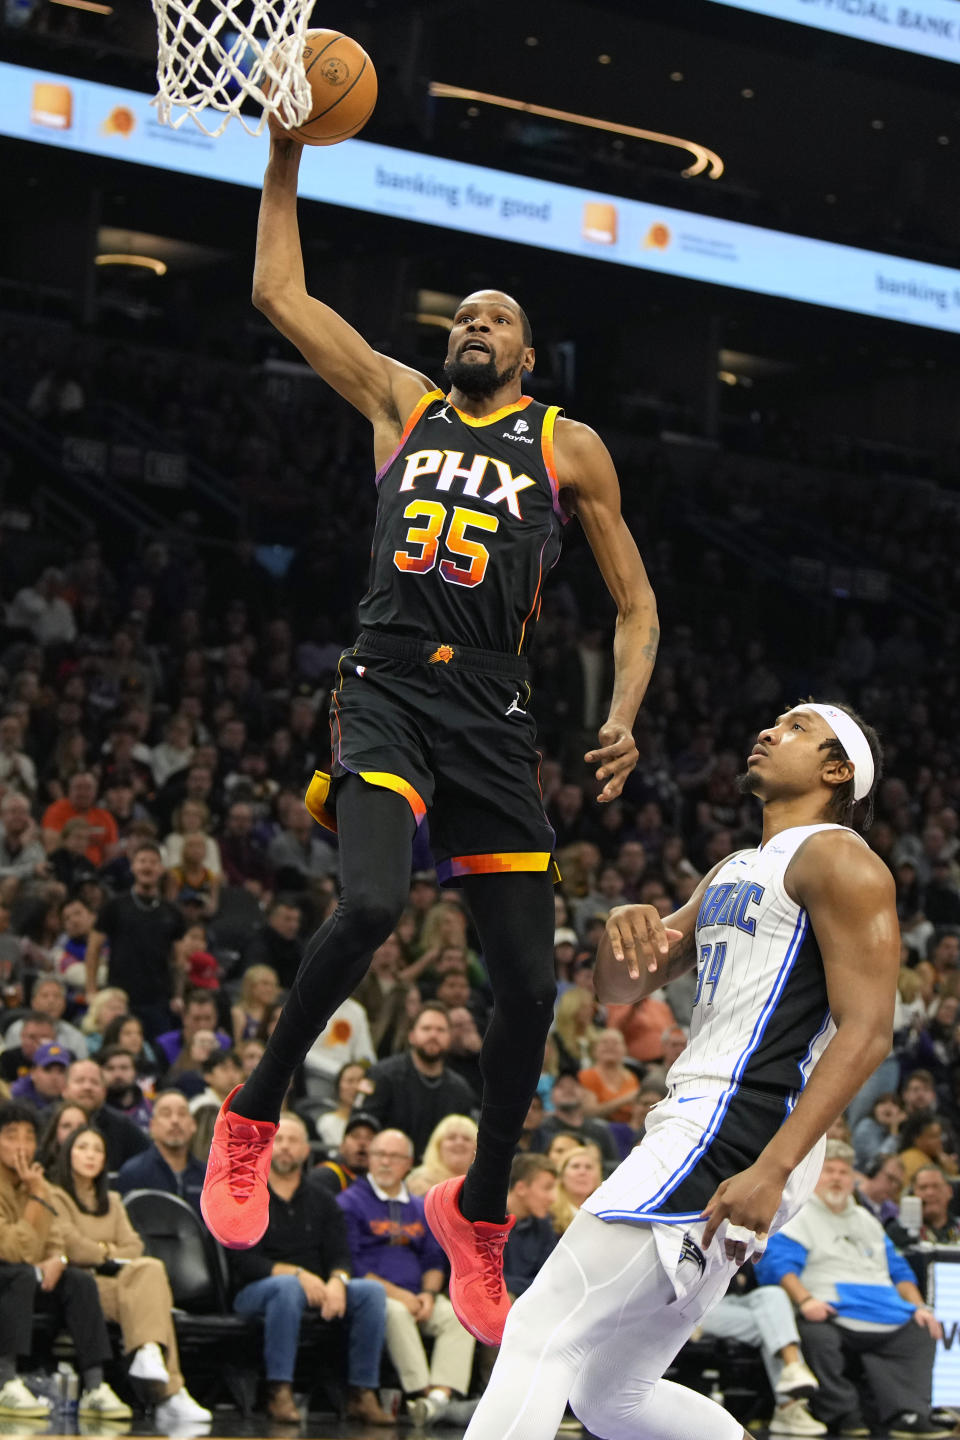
344,86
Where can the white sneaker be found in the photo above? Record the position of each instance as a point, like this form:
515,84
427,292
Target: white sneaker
425,1410
16,1399
105,1403
795,1419
148,1364
797,1382
180,1409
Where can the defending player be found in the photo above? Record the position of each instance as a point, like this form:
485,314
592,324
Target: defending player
430,715
796,945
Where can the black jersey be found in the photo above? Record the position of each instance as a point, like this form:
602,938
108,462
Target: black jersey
468,526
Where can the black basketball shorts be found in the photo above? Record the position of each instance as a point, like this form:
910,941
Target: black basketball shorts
447,728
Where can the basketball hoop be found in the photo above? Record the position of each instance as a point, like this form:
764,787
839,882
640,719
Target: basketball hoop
234,49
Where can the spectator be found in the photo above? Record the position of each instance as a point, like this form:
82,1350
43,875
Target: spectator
192,882
414,1091
41,609
330,1126
126,1032
345,1037
133,1287
81,804
673,1042
18,774
278,943
70,951
167,1163
351,1160
192,818
573,1029
141,930
174,753
381,992
610,1084
533,1190
918,1093
44,1083
36,1029
31,1239
463,1057
259,992
222,1074
18,1284
244,861
855,1296
880,1186
390,1242
199,1013
119,1071
450,1151
59,1121
761,1316
940,1226
649,1094
569,1114
578,1175
878,1133
21,851
49,998
86,1088
298,854
107,1004
921,1141
304,1261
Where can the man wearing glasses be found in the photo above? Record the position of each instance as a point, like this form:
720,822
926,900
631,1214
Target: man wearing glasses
390,1242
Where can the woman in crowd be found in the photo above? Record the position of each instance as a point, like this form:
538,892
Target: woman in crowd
610,1084
450,1151
580,1173
562,1145
185,1073
879,1132
921,1143
573,1030
59,1123
192,877
69,758
127,1032
259,989
105,1006
330,1127
134,1289
191,818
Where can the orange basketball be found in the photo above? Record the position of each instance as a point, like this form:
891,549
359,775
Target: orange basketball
344,85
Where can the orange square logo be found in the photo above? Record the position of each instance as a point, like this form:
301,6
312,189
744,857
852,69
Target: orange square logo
600,222
52,105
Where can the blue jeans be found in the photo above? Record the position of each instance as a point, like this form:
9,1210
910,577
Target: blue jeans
281,1302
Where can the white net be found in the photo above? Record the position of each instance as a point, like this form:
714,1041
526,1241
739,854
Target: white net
214,54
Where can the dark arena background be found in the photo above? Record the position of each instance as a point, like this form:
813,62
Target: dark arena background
734,227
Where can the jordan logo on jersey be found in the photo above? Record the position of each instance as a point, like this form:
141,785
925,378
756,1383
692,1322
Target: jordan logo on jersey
727,905
448,467
442,415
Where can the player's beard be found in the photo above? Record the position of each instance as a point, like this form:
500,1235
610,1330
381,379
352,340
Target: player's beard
745,784
477,381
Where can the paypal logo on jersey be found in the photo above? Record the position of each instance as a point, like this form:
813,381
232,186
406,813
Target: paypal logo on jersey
519,432
727,904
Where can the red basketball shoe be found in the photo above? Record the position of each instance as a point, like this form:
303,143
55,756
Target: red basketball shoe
235,1201
475,1251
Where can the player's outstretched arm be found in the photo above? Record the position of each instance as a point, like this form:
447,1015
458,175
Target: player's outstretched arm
587,473
380,388
848,894
639,952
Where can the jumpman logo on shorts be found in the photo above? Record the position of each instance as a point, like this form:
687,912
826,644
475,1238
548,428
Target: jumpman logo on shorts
514,707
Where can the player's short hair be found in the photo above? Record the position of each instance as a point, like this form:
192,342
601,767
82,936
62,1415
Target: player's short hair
526,1168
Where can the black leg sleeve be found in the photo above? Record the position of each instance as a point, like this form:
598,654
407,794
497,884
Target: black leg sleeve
514,916
376,829
18,1283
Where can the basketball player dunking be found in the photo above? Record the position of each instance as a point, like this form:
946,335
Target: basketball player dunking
797,953
431,716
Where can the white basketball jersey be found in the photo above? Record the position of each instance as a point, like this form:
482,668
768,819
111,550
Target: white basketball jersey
761,1021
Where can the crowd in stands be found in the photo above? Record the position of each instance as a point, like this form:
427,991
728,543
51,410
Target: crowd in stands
160,715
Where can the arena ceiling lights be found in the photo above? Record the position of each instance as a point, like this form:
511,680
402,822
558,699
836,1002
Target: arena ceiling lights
704,159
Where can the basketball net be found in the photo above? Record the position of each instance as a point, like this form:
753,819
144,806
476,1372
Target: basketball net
214,54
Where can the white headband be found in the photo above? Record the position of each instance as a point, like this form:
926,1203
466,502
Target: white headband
853,740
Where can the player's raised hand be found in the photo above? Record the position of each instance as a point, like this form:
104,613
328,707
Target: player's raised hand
637,936
616,757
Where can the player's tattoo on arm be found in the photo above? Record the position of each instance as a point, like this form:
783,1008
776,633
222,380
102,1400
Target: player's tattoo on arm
649,651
